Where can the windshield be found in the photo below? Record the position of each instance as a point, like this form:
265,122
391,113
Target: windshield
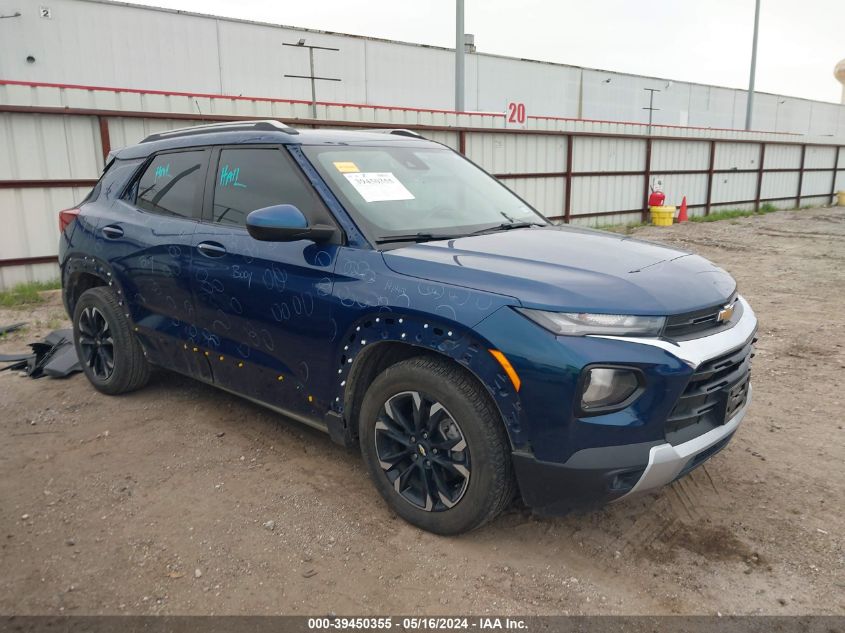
417,193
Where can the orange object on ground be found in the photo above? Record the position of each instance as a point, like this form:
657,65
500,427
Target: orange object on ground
682,214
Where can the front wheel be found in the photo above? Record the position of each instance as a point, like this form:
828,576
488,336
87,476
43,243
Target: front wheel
435,446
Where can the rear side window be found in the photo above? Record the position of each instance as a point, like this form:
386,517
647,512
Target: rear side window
250,179
170,184
95,192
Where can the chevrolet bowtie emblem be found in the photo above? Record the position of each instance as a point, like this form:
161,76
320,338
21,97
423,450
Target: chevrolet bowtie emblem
725,313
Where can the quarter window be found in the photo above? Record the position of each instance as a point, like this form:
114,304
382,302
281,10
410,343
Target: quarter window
250,179
169,184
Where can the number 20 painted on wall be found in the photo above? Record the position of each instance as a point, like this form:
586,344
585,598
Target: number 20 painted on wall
516,113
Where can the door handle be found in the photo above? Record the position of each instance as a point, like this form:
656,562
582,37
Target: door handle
211,249
112,231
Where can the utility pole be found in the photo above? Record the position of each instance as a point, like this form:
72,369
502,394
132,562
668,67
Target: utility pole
459,55
314,78
651,109
749,111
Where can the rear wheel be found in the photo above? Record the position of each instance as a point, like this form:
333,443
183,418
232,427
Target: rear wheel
435,446
109,352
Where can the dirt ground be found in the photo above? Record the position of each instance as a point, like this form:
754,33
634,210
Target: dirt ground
181,499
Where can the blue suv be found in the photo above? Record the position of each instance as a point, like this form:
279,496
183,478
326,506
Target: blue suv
384,289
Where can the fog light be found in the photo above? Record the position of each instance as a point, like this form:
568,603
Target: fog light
606,387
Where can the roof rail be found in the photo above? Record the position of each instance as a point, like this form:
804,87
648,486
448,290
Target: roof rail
268,125
396,131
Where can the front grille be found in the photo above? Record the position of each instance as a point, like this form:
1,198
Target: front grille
700,322
716,391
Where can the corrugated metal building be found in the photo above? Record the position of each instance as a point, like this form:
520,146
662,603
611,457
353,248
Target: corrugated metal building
87,42
54,138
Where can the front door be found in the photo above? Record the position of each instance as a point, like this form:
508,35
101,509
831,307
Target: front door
264,308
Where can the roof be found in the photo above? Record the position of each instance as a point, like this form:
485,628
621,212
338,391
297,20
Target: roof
269,132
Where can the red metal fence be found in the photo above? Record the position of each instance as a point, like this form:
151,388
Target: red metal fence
568,175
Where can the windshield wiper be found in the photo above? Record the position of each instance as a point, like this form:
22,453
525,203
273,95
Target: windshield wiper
427,237
415,237
506,226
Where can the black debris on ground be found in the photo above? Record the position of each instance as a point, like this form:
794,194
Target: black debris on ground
6,329
55,356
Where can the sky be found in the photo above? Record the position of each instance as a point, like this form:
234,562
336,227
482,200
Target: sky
703,41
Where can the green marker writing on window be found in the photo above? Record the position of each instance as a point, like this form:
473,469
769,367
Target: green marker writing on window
162,171
229,177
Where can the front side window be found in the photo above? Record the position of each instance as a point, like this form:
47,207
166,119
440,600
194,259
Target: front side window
401,190
170,183
250,179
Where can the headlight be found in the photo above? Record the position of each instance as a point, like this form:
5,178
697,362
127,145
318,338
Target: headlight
607,387
581,323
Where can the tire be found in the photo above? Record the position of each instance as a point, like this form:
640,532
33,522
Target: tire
102,332
427,481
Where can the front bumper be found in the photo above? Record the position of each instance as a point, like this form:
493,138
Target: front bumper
666,462
598,475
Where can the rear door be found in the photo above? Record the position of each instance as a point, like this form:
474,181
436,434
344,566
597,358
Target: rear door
264,308
149,246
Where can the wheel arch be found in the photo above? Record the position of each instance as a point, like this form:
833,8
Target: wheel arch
368,365
395,339
80,274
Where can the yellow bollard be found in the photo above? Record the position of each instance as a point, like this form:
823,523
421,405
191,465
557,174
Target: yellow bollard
840,199
662,216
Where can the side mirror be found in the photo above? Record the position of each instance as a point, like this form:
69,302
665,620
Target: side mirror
285,223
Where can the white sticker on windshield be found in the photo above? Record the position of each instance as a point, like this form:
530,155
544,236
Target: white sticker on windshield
379,186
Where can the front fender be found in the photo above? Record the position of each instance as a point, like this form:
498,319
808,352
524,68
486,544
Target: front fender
424,334
376,305
549,368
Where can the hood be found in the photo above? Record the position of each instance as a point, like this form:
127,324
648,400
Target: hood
570,269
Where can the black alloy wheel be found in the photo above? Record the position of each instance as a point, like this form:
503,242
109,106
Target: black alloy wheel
96,343
422,451
107,346
435,445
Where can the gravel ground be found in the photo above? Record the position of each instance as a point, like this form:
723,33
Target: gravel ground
181,499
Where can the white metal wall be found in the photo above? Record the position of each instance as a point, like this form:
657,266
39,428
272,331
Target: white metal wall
514,154
61,144
42,146
88,42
